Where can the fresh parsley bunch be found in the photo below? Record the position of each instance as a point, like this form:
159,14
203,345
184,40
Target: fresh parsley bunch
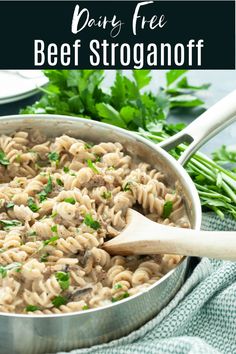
128,104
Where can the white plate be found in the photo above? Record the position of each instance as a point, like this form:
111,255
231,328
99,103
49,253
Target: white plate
18,84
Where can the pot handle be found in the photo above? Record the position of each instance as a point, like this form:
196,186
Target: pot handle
202,129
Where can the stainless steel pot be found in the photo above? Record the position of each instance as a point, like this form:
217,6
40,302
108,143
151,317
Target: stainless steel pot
36,334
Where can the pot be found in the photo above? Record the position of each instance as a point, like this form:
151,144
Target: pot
37,334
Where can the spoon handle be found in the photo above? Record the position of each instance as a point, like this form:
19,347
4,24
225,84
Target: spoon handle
212,244
160,239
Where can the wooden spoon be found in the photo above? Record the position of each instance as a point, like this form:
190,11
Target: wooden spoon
143,236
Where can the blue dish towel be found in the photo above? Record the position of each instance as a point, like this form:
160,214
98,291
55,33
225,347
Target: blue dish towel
201,319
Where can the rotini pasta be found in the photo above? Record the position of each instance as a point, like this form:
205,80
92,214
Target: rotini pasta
60,200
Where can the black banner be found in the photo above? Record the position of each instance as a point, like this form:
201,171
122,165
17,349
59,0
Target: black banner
117,34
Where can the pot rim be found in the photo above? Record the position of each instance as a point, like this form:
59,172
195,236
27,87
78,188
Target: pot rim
129,134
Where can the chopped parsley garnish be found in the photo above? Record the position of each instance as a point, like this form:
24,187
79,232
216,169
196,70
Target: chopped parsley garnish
10,205
31,233
18,158
9,223
59,300
92,166
98,158
54,157
32,205
120,297
70,200
89,221
3,272
3,159
32,308
66,169
106,195
44,257
47,190
54,228
3,269
85,307
54,214
87,146
167,209
127,187
51,241
63,279
118,286
59,182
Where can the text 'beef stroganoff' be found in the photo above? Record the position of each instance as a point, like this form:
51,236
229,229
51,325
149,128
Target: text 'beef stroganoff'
60,200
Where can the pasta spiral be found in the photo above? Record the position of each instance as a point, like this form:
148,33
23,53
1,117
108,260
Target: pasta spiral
60,200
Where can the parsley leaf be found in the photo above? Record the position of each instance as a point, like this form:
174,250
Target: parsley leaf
10,223
10,205
117,286
54,228
3,272
63,279
118,91
127,188
3,269
59,300
3,159
185,101
85,307
106,195
89,221
92,166
31,233
54,157
177,83
66,169
44,257
142,77
54,214
173,75
167,209
51,241
87,146
98,158
70,200
47,190
110,115
32,308
120,297
32,205
59,182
